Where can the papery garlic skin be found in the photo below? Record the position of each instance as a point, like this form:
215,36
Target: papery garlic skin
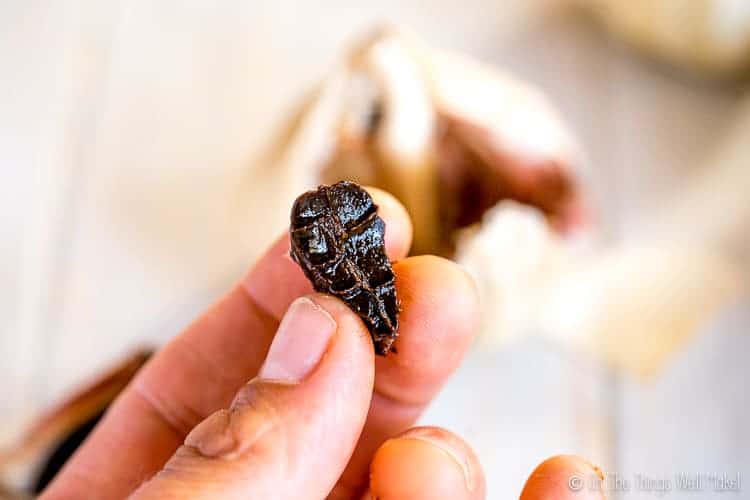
519,117
404,143
637,305
712,207
631,305
514,257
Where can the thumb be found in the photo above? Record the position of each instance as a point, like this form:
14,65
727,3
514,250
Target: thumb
290,431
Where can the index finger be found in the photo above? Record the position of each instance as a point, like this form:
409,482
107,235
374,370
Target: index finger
198,372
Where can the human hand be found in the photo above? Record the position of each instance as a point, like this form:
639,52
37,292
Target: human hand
320,417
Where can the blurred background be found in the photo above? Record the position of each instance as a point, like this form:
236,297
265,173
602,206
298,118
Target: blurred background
130,138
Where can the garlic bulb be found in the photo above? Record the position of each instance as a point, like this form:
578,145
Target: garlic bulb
449,137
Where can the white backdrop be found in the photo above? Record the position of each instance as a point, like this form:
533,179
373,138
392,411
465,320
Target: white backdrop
128,127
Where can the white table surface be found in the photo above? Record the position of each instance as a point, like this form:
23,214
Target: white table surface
126,128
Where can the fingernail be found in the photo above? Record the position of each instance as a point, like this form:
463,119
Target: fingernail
456,457
300,342
456,450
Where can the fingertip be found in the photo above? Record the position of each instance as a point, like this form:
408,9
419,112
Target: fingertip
564,477
444,275
398,226
439,319
426,462
431,287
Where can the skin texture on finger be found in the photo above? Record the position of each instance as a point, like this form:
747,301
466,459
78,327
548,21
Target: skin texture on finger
439,318
564,477
197,373
426,463
280,440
